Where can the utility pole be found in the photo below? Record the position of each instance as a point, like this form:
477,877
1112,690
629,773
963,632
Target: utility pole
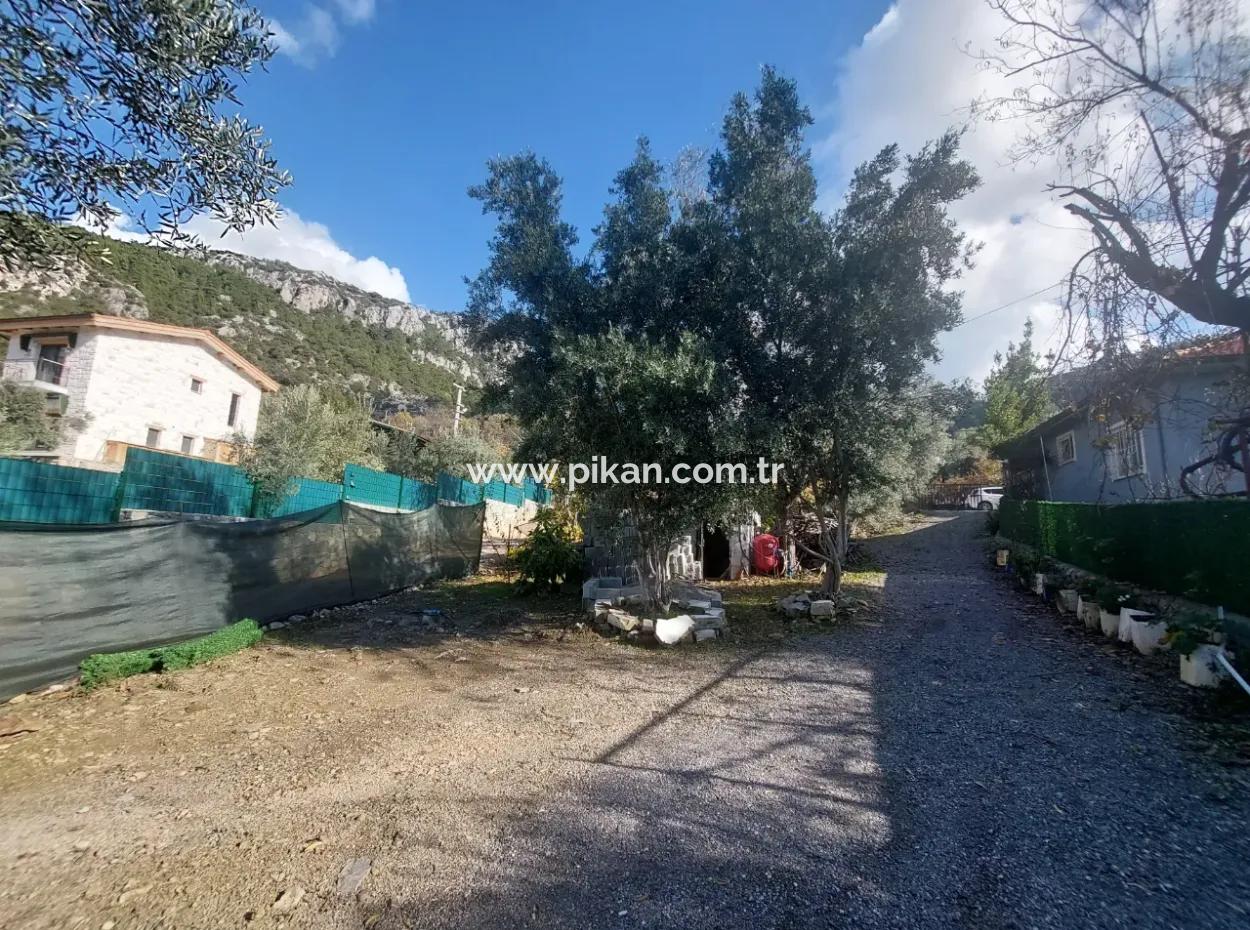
455,423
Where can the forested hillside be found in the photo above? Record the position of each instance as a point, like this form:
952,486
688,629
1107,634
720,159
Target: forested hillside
400,355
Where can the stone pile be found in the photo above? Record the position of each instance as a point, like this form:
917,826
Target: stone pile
807,605
606,600
681,560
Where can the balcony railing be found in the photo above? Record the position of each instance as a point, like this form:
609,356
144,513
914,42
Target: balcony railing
50,372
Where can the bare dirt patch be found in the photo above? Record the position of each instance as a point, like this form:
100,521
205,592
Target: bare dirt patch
249,792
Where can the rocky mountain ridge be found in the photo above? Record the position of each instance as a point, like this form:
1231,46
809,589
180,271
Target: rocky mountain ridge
309,291
299,325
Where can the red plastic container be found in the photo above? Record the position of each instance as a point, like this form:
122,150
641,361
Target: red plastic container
766,554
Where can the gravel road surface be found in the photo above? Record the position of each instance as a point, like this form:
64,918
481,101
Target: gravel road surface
966,759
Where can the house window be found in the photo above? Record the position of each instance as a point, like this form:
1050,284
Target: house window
232,419
50,368
1125,453
1066,446
154,438
197,386
188,445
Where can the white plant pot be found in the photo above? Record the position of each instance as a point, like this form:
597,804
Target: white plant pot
1200,669
1109,623
1147,632
1039,584
1088,612
1067,600
1125,630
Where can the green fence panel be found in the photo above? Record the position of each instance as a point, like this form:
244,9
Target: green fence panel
533,491
1194,549
366,486
459,491
499,490
154,480
38,492
417,495
309,494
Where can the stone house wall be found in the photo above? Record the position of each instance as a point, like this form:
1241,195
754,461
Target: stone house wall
121,384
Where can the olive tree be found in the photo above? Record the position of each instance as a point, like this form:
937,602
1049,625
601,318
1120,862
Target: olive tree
126,103
1145,107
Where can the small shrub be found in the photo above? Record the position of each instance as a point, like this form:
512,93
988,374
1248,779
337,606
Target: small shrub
1190,629
549,556
1111,597
992,522
102,667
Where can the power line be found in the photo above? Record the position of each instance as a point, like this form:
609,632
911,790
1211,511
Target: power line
1010,303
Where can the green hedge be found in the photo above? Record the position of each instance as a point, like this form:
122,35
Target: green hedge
107,666
1194,549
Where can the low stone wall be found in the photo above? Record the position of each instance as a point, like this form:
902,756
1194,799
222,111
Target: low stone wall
606,601
808,606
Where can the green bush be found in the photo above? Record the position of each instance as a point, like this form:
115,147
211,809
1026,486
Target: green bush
108,666
1192,549
1189,629
549,556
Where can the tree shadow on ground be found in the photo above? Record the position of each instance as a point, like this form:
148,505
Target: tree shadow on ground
761,827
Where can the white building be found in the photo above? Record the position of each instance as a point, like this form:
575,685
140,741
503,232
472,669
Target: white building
122,382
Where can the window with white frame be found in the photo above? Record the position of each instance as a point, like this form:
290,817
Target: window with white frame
1125,453
1065,446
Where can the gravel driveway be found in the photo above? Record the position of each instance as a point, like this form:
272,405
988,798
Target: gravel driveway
966,761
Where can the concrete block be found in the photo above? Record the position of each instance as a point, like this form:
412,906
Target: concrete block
708,622
701,635
823,609
623,621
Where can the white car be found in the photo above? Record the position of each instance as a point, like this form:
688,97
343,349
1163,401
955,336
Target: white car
984,499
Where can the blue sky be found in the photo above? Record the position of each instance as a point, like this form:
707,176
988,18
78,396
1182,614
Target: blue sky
384,136
385,111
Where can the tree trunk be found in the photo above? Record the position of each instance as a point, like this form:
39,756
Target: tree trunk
655,577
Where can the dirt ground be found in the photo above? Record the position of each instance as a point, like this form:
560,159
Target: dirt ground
242,793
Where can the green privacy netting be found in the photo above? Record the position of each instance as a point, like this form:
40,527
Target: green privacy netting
69,591
162,482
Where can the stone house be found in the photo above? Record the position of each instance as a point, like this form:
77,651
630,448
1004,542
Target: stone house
1134,449
119,382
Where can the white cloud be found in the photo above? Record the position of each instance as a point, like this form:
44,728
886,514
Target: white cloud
294,240
309,245
356,11
316,35
911,79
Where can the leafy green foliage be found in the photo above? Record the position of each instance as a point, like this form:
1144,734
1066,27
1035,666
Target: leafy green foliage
306,432
24,423
102,667
730,324
408,454
117,102
1191,549
1016,397
1112,596
1189,629
549,556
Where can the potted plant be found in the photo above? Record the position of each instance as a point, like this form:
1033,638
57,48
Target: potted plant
1111,598
1087,604
1128,608
1067,598
1043,568
1026,566
1197,637
1146,629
